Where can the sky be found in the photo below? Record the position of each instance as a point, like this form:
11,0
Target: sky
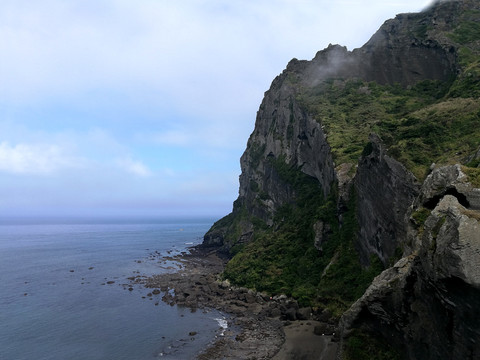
143,108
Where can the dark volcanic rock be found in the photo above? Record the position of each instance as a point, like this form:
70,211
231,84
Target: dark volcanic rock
428,304
291,314
196,286
304,313
385,192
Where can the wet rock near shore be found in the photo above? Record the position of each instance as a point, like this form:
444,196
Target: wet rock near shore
258,319
195,288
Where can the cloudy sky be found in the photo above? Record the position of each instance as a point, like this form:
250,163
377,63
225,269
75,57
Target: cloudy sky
116,107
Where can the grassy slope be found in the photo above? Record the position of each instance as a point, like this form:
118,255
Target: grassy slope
420,125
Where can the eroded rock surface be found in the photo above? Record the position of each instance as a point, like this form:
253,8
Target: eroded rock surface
428,304
385,192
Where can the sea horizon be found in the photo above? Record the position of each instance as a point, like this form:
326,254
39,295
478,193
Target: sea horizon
33,219
66,292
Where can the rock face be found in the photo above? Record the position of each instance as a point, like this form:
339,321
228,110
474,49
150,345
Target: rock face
427,305
385,191
283,131
404,37
400,52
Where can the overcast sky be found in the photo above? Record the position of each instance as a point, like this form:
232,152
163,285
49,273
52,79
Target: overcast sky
145,107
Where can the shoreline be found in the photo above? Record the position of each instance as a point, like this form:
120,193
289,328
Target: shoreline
259,326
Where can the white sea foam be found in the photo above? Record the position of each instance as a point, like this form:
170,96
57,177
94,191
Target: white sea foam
223,324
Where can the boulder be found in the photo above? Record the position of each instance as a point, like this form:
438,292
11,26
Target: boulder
304,313
290,314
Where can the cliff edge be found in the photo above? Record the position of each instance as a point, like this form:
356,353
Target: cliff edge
360,189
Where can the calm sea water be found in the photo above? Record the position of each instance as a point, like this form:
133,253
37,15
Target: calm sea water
55,302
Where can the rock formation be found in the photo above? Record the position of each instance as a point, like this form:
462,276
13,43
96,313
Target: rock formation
428,303
349,172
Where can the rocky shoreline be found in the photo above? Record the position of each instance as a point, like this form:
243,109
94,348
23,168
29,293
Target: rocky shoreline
259,326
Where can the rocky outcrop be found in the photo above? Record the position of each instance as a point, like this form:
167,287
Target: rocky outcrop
284,132
449,180
404,50
428,304
410,55
400,52
385,191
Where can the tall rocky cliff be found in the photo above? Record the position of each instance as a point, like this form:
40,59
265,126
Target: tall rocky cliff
366,163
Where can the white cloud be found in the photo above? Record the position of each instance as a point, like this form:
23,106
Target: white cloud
134,167
115,90
33,158
197,52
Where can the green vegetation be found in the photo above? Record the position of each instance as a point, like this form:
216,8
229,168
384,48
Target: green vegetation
232,223
466,35
282,259
420,125
468,83
420,216
473,175
364,346
466,32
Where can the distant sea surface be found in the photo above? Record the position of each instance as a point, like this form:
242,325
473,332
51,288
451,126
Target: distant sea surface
63,293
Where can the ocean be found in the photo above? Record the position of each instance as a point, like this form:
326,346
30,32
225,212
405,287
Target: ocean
63,292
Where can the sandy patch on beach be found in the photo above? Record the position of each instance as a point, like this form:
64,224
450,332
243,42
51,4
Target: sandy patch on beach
301,342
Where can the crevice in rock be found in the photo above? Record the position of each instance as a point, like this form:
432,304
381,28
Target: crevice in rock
433,202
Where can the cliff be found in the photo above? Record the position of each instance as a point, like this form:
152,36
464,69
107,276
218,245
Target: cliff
359,190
